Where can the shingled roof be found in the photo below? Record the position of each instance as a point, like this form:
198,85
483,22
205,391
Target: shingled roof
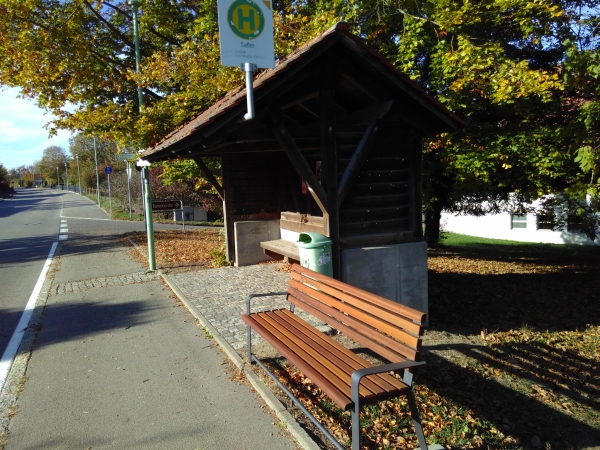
231,107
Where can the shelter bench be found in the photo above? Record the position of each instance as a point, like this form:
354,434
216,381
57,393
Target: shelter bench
290,225
389,329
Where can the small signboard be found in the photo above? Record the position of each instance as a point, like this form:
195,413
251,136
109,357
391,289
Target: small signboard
108,170
166,205
246,33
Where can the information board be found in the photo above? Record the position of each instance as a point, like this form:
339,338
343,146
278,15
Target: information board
246,33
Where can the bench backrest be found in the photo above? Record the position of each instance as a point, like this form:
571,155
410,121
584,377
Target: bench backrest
388,328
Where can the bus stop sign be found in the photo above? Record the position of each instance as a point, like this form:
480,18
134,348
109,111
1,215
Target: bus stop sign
246,33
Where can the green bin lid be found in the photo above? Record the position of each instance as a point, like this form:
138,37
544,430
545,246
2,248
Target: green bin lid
312,240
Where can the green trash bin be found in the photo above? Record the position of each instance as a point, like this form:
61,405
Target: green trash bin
315,252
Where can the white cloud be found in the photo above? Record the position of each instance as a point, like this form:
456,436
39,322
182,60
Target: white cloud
23,137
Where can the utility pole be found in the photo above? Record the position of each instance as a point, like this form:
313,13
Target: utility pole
145,172
97,177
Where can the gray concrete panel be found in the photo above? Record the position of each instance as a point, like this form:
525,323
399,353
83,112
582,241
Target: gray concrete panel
397,272
249,235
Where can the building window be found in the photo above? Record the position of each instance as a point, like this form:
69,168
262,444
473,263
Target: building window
518,221
546,221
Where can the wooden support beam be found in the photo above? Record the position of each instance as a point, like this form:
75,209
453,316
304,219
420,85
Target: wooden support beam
359,157
329,172
295,156
209,176
227,216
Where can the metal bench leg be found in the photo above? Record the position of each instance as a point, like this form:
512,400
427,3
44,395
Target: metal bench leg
414,414
249,340
356,426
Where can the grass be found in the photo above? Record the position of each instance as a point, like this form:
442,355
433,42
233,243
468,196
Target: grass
465,243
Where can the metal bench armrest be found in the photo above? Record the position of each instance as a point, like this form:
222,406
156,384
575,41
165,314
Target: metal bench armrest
251,296
357,375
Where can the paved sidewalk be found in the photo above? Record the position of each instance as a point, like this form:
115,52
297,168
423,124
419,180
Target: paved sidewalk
220,295
116,362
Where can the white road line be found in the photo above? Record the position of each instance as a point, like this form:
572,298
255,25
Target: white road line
83,218
63,237
15,341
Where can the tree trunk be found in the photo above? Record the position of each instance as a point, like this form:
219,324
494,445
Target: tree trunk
433,217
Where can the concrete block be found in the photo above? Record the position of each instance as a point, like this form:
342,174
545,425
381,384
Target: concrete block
248,236
397,272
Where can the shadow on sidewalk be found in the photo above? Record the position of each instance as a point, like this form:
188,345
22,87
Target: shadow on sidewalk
69,322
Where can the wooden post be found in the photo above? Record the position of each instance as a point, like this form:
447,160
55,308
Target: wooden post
228,223
329,174
416,188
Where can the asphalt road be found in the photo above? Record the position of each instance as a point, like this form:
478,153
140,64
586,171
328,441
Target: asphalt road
117,362
29,225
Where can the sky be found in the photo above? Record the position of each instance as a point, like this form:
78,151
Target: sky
23,137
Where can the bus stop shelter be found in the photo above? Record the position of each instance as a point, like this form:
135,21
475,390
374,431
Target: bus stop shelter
335,147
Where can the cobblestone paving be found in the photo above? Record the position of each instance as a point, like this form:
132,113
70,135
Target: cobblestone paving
220,295
96,283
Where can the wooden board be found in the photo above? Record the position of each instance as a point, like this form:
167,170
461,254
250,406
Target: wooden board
281,247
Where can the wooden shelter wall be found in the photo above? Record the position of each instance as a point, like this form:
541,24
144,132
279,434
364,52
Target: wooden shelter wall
252,186
380,207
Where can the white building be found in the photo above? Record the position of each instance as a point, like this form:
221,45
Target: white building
530,227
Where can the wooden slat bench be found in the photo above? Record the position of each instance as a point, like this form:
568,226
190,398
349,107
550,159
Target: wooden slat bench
389,329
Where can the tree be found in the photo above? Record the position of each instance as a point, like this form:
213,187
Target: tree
81,53
52,164
182,180
105,151
522,73
3,174
508,68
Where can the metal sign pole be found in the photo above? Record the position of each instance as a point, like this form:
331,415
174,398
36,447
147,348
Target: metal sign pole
183,216
143,199
249,68
129,187
109,196
149,225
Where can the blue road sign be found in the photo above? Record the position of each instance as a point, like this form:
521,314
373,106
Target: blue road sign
108,170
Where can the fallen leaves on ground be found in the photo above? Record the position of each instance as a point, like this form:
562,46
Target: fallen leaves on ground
174,248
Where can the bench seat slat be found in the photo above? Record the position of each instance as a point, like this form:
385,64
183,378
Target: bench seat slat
398,308
315,365
347,360
340,398
392,350
309,353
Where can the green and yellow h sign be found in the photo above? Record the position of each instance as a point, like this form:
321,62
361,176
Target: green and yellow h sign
246,19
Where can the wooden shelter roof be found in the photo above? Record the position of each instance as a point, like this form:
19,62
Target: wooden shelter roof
203,135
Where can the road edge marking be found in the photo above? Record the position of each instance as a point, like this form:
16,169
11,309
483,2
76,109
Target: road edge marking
15,341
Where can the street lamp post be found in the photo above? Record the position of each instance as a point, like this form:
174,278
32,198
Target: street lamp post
67,176
57,178
97,178
145,172
78,173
